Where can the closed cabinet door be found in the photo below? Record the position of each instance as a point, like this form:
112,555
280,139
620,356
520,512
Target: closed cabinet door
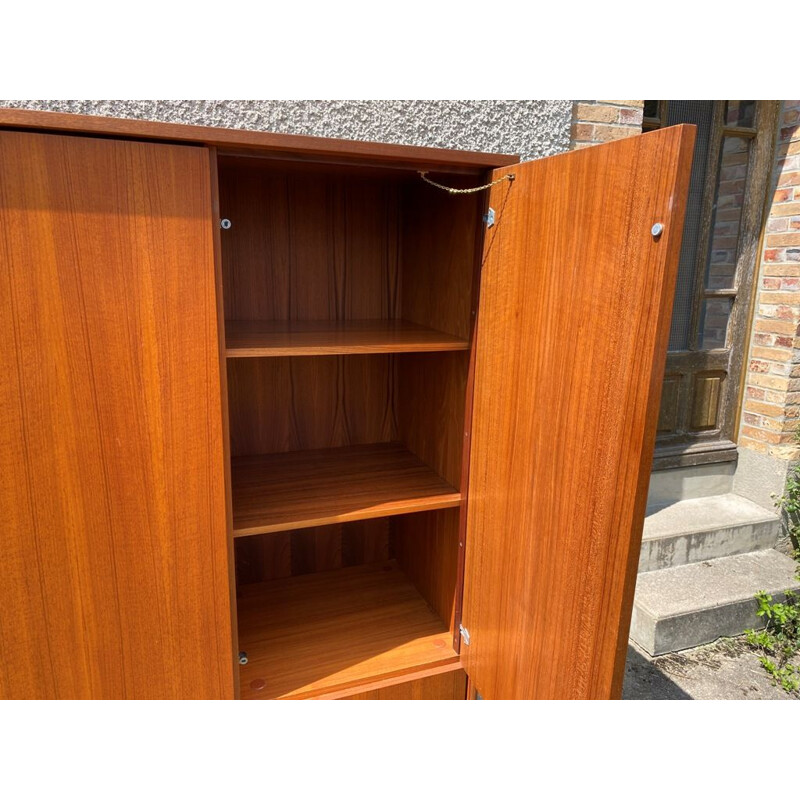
576,291
114,557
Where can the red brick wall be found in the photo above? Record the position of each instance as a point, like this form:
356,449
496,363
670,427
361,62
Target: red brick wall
772,390
597,121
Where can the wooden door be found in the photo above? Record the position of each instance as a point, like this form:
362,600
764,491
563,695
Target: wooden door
574,314
114,558
708,341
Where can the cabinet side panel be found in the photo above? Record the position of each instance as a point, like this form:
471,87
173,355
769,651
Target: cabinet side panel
426,547
438,255
115,555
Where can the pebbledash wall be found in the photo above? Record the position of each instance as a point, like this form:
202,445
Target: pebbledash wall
531,128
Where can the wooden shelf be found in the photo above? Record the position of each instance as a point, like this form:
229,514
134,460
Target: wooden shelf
317,634
276,338
287,491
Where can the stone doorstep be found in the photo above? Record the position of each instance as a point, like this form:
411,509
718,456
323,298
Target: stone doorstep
697,530
695,604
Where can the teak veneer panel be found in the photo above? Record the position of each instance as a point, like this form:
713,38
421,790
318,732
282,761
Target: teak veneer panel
439,233
259,141
248,339
426,548
450,684
287,491
309,244
572,333
317,549
316,634
310,403
115,566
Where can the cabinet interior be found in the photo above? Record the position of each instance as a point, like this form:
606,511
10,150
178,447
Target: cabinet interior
348,312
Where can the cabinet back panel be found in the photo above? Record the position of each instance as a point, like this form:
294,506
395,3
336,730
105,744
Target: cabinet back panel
115,573
308,244
319,549
278,405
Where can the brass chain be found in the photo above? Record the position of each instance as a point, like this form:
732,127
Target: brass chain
424,176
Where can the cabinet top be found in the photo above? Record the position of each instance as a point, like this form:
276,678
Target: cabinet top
279,144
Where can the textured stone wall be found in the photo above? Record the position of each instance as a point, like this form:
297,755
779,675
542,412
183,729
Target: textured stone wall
531,128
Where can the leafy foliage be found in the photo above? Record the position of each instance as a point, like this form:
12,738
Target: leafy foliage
779,642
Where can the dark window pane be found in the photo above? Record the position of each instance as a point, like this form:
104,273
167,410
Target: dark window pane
714,322
728,205
740,113
700,113
651,108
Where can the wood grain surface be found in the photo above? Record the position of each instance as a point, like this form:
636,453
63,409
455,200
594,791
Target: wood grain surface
315,549
213,159
450,684
259,141
438,235
287,491
316,634
574,314
115,560
426,548
309,244
270,339
309,403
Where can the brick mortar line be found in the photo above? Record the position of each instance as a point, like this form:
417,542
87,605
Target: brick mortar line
624,125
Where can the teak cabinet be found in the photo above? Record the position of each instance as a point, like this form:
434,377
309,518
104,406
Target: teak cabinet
280,419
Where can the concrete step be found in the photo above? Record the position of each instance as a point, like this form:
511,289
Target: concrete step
696,530
697,603
668,486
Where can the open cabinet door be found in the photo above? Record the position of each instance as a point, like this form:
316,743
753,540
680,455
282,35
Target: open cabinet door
573,322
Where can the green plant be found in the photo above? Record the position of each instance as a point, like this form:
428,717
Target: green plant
779,642
789,506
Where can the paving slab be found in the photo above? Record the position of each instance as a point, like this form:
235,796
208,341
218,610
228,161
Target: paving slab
725,670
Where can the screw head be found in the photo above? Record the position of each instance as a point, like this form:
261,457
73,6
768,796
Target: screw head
225,224
657,229
242,658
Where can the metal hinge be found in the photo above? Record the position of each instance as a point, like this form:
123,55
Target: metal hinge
488,217
464,634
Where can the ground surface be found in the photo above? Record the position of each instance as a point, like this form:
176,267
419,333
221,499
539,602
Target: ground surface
725,670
